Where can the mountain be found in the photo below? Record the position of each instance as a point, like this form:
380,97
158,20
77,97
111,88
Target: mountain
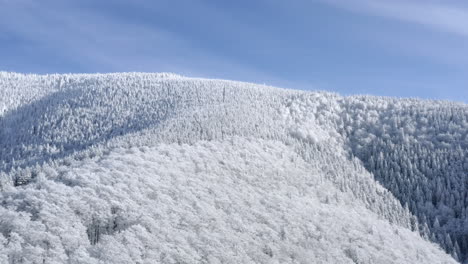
160,168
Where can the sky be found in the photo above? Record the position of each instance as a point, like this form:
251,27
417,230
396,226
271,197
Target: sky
403,48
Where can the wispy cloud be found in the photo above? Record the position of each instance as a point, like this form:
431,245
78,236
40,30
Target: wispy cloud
78,36
297,44
445,16
93,40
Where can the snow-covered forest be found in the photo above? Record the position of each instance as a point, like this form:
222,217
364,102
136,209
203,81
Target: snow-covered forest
160,168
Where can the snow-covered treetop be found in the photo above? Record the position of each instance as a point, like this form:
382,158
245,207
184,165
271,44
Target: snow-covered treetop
403,161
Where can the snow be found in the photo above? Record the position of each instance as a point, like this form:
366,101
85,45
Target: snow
145,168
240,201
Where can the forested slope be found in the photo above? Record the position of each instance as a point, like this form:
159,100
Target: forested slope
144,168
419,151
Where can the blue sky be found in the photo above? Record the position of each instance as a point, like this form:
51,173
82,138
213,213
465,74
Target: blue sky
404,48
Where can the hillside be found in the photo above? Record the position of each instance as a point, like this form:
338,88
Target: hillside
145,168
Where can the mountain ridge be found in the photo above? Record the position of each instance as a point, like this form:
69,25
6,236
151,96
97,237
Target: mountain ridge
56,121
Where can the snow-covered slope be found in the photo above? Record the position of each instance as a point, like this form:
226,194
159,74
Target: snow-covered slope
145,168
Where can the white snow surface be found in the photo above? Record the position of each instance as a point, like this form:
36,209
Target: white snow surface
160,168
